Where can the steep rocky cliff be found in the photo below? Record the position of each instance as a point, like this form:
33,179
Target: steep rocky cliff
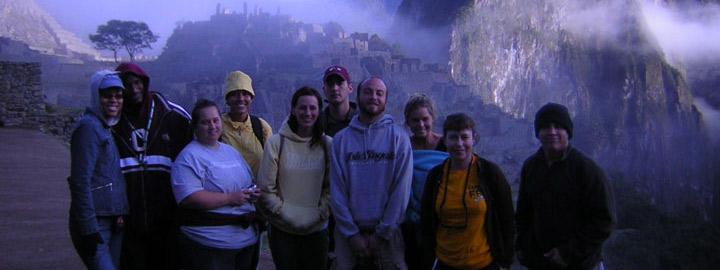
634,112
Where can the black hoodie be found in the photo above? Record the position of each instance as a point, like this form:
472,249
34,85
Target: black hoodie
147,154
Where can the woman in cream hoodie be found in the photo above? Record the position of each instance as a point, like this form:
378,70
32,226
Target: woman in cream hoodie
293,179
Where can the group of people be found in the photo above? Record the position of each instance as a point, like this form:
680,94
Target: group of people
340,186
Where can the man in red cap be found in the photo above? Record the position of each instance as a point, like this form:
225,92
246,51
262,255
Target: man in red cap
151,133
337,89
336,116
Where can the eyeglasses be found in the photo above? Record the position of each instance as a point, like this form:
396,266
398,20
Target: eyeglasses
444,222
111,95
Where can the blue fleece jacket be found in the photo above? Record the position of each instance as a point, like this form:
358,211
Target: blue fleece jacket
370,177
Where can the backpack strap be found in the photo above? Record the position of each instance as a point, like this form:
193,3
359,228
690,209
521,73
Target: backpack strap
258,129
326,161
277,171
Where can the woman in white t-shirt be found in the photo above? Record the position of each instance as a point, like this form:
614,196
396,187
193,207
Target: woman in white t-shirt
214,187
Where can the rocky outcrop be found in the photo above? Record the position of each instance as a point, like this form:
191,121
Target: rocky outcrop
634,111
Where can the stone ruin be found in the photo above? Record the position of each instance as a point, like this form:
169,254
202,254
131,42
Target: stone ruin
22,103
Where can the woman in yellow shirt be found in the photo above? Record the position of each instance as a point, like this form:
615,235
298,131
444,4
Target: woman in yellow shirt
466,212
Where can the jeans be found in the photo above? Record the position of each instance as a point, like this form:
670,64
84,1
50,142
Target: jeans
293,251
107,254
199,257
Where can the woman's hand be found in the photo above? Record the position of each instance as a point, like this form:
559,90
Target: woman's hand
252,194
237,198
119,223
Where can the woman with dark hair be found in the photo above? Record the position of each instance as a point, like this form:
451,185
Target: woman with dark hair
213,186
97,188
467,211
293,180
428,151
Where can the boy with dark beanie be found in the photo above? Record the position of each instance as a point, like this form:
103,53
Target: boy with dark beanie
563,211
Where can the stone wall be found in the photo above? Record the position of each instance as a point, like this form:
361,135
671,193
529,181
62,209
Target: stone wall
21,97
22,101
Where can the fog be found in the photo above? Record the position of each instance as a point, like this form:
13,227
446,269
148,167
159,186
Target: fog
83,16
687,33
598,20
710,118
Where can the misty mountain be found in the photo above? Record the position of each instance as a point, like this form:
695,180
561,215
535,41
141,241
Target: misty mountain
25,21
423,27
634,112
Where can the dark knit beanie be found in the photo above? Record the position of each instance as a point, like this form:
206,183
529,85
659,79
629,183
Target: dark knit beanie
553,113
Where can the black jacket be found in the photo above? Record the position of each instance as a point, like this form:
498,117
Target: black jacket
333,126
499,226
564,206
147,170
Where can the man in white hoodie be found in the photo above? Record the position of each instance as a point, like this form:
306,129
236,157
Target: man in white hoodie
370,179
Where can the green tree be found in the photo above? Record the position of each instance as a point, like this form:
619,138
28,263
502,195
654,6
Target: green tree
129,35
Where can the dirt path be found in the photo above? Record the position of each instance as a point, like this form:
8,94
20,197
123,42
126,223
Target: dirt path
34,202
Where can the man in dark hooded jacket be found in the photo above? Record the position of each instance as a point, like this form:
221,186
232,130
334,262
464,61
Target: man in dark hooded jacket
151,133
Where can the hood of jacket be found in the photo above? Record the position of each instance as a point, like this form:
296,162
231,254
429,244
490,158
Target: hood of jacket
132,68
385,120
138,114
287,132
94,106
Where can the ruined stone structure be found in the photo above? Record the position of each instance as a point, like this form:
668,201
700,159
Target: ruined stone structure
22,101
27,22
282,54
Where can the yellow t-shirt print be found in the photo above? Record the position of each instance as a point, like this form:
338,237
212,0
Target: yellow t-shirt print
461,238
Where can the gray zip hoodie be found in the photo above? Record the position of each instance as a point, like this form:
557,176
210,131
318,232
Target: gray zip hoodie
370,177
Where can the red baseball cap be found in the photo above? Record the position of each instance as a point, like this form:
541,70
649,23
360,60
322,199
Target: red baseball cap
336,70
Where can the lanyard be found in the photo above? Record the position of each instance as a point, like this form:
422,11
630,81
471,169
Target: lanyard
146,134
464,191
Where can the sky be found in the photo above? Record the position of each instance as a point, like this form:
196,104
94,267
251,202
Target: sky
83,16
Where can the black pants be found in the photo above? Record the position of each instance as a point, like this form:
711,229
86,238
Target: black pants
413,253
293,251
150,250
442,266
199,257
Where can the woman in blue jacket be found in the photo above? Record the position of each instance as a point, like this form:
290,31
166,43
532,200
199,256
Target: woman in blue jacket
97,188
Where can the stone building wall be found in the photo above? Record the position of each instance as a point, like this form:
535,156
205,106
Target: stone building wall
22,101
21,97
